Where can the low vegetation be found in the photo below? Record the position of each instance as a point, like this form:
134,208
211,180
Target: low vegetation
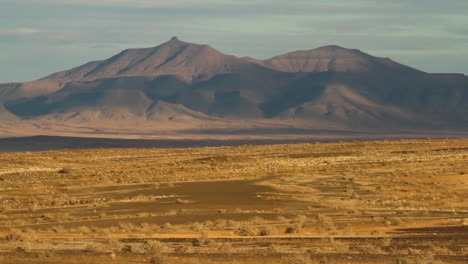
357,202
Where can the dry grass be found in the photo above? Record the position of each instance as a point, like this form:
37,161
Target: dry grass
396,201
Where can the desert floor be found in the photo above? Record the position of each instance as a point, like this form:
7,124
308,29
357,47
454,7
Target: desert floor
402,201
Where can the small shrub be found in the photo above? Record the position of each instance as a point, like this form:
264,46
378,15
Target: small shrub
155,246
224,247
197,226
16,234
203,240
295,229
246,230
325,223
64,170
268,231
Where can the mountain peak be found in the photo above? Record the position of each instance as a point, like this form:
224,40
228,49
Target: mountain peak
331,47
332,58
174,39
335,50
174,42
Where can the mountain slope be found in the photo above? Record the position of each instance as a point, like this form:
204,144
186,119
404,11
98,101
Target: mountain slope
179,85
13,91
334,59
175,57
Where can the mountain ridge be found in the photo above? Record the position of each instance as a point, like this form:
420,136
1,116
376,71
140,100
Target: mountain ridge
154,61
192,86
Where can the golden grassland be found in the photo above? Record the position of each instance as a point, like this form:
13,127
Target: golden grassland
400,201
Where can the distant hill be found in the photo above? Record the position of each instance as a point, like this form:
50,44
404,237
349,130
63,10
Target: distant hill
180,87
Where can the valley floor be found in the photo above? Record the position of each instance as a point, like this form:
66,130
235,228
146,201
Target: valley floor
402,201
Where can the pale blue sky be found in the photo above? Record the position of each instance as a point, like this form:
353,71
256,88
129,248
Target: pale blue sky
39,37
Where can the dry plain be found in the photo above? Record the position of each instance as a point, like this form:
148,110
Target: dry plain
402,201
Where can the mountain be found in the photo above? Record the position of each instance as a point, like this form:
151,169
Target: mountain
333,59
175,57
180,87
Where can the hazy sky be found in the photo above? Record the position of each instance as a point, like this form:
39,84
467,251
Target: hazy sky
39,37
